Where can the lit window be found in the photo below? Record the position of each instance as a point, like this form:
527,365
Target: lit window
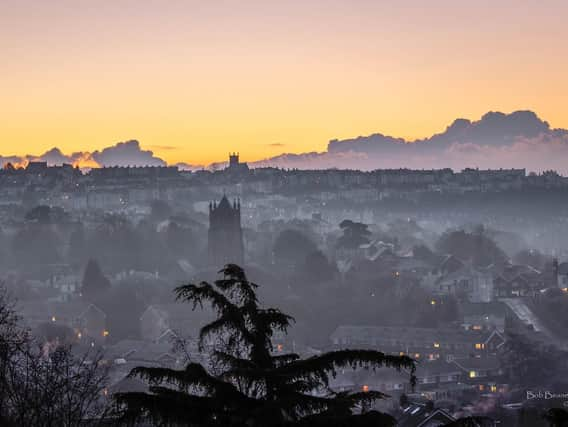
279,347
472,374
436,345
105,333
365,388
477,328
417,355
433,302
493,388
401,353
479,346
481,387
53,318
79,335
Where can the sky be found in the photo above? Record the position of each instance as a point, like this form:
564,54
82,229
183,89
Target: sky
193,80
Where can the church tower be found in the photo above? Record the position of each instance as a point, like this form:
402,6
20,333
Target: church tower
225,233
233,160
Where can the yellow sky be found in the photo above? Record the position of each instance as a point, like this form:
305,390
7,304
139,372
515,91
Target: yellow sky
193,80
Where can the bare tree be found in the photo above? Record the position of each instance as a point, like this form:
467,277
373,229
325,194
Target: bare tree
44,385
13,339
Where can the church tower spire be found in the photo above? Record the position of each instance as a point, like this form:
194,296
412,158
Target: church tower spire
225,234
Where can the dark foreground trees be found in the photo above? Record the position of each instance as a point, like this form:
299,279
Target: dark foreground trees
45,385
247,383
54,390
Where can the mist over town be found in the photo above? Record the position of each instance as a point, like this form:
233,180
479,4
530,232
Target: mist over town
316,213
463,271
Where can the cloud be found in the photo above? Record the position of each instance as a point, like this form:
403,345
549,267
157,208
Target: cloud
163,147
498,140
54,157
127,153
189,167
314,160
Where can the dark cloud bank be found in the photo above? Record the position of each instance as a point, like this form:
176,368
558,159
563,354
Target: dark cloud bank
127,153
517,140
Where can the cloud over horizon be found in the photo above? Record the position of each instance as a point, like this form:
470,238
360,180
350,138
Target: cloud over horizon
497,140
516,140
128,153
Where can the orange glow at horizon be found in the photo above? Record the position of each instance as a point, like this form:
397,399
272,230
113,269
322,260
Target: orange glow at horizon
85,162
192,81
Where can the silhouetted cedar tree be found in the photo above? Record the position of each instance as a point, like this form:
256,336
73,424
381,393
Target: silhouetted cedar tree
246,382
557,417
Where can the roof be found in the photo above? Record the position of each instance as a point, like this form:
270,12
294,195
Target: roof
418,415
495,308
432,368
522,272
137,350
43,311
93,308
182,318
465,271
478,363
410,263
349,378
369,333
448,260
129,385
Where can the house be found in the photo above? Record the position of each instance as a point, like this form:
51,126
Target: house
419,343
386,380
410,264
138,351
34,313
518,281
91,323
371,251
436,373
484,315
180,319
454,391
562,274
154,322
469,283
485,372
449,264
67,285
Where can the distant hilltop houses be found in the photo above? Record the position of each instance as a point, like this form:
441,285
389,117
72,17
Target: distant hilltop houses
433,179
119,187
